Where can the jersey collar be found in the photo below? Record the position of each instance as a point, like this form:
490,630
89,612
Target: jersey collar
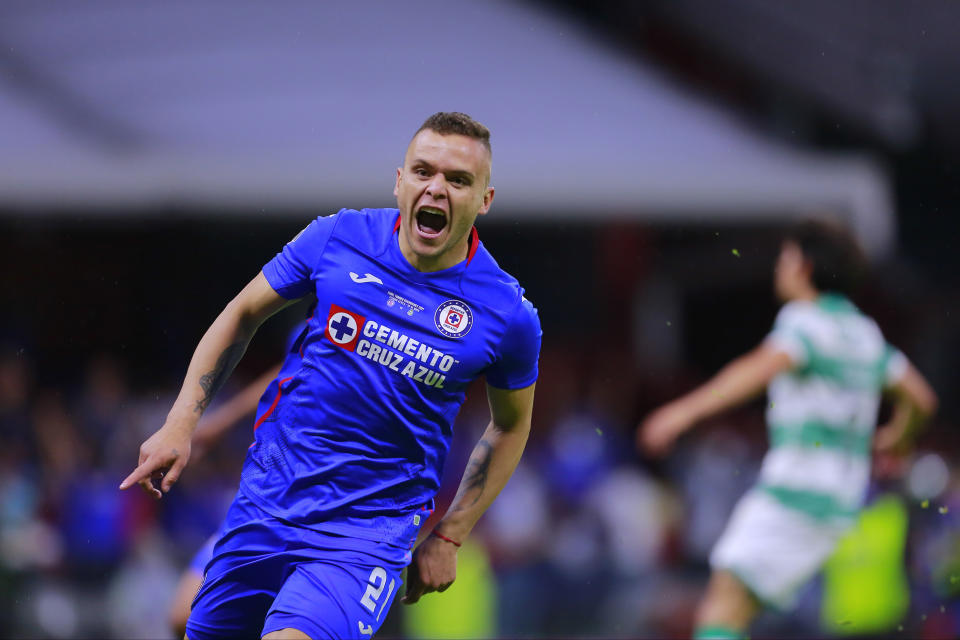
473,243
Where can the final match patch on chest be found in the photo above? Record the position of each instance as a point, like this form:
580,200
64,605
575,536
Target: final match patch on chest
453,318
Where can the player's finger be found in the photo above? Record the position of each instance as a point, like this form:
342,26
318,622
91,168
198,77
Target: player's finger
414,586
172,475
655,443
643,439
414,590
412,596
444,587
146,468
147,485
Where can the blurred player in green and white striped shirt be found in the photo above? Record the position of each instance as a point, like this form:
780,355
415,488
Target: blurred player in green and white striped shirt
825,365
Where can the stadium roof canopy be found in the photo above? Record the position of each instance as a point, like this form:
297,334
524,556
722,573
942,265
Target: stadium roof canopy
111,106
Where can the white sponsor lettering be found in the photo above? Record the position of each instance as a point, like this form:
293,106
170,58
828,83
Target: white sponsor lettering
396,362
396,340
423,353
446,362
411,347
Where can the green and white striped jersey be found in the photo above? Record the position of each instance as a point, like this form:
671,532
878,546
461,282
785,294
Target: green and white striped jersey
822,414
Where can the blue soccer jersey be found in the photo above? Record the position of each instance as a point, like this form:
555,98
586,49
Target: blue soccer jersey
356,441
266,406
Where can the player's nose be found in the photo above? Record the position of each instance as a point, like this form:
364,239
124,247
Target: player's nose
437,187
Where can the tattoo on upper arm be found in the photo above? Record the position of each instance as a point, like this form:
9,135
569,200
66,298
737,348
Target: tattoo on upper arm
211,381
475,476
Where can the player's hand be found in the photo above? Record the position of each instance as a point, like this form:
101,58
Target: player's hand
434,568
162,458
889,439
891,451
889,466
660,429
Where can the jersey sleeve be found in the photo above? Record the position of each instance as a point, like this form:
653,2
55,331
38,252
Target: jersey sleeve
290,271
788,335
895,366
519,351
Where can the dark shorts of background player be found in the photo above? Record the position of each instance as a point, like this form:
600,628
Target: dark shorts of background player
267,575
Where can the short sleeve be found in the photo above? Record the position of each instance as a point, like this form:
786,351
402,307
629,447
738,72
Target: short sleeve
290,272
787,335
516,366
895,367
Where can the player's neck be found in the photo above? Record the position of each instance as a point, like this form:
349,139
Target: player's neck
807,293
427,264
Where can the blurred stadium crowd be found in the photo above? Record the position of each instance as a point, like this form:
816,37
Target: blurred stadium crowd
587,538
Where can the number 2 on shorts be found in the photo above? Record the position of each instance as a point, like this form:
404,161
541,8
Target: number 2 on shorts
376,582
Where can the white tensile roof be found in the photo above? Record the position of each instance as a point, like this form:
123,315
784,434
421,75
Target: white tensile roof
111,105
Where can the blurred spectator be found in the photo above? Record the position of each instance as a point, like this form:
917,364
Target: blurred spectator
712,471
16,388
103,413
517,529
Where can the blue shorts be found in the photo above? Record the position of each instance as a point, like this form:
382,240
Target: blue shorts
267,575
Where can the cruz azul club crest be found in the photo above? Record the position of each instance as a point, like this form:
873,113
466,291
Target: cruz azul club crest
343,327
453,319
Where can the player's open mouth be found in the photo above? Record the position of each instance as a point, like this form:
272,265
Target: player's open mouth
431,221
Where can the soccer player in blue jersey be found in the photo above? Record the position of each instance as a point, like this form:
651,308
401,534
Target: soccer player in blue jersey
410,309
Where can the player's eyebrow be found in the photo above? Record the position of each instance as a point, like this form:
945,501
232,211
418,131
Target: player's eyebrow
420,163
461,173
426,164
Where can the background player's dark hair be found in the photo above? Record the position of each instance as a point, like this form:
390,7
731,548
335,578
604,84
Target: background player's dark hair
453,122
839,263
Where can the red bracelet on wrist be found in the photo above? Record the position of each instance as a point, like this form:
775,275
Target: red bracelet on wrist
445,538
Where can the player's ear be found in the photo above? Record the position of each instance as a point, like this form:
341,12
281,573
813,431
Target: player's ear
396,186
487,201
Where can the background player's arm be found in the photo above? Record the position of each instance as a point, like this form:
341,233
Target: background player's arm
166,452
491,464
914,402
213,425
736,383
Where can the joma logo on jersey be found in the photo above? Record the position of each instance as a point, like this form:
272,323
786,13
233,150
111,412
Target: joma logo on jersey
343,327
453,318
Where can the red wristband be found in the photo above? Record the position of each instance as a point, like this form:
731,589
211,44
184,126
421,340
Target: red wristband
445,538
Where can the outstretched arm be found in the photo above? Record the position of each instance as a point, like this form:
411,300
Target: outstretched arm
736,383
213,425
491,464
165,453
914,402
